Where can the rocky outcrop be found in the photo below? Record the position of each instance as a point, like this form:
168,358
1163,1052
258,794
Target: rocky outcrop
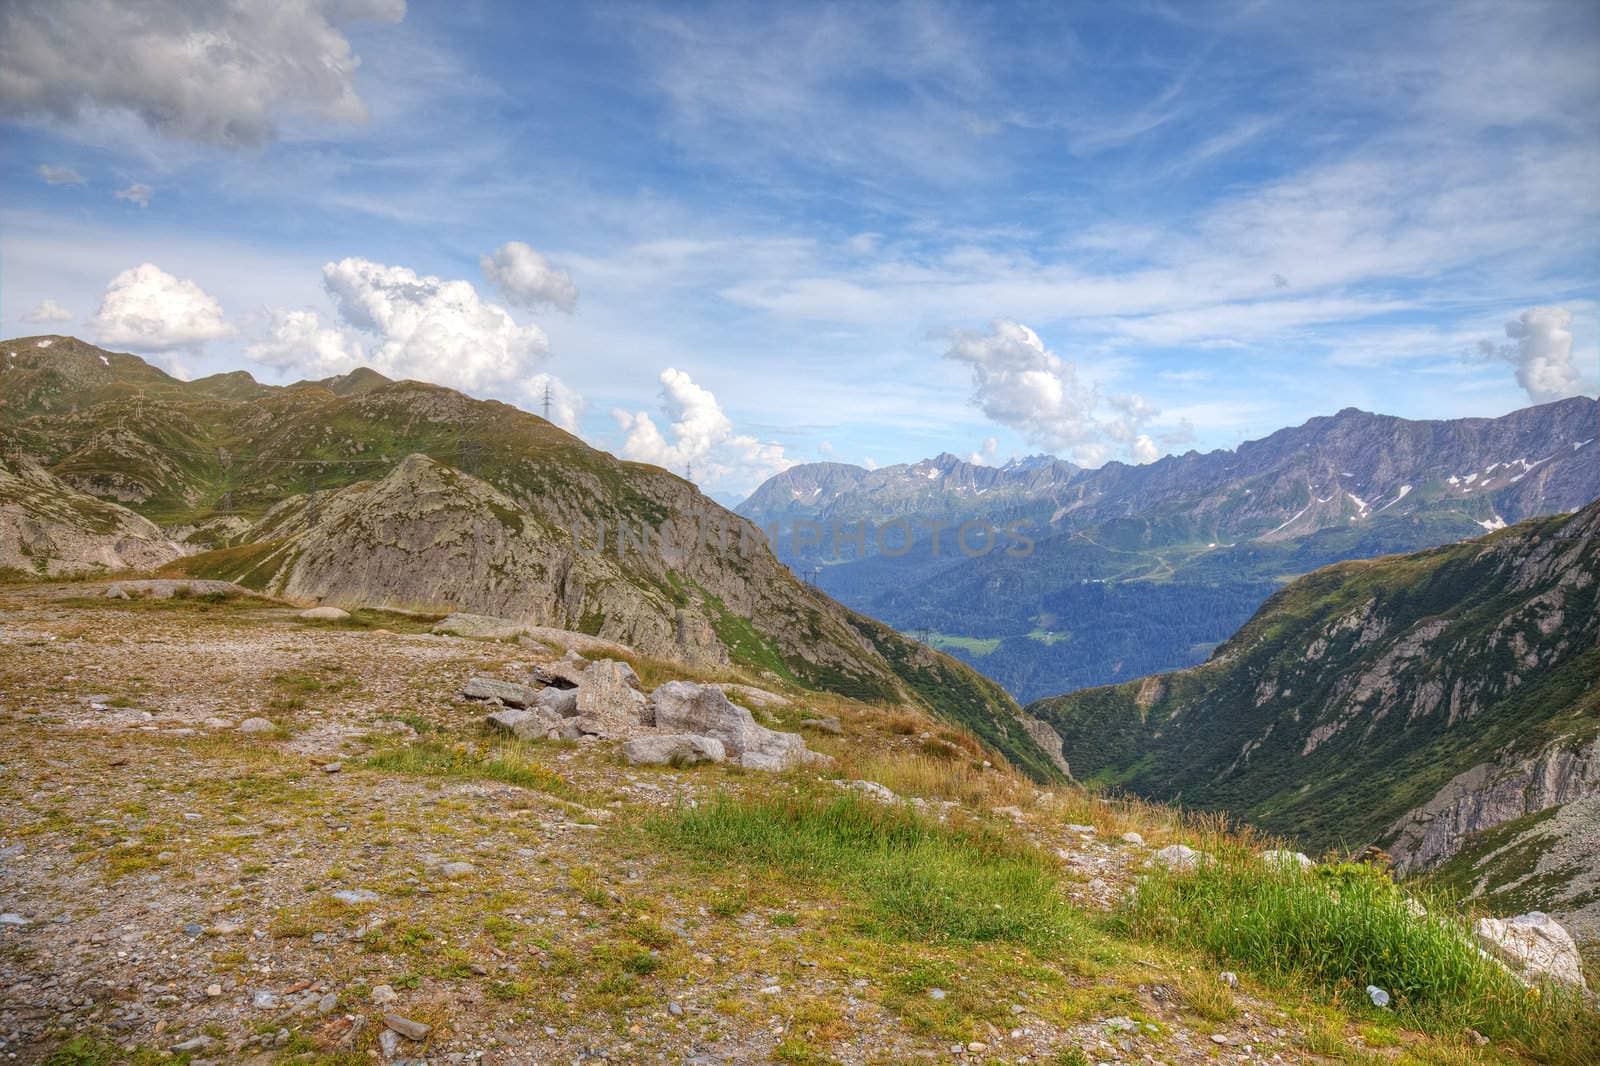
705,710
48,528
1491,794
608,701
507,692
1049,741
1534,946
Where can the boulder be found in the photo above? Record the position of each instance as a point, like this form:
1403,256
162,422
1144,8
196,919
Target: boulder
324,614
1534,946
525,724
561,702
565,672
1286,860
1179,857
705,710
256,725
609,703
673,749
507,692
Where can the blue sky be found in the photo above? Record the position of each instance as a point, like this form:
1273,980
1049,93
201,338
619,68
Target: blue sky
747,235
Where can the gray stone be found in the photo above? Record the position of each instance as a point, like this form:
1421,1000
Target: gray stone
12,919
1132,838
389,1043
507,692
324,614
675,1009
674,749
455,871
194,1043
1534,946
1179,857
609,703
704,710
936,993
524,724
356,895
266,1000
406,1027
561,702
565,672
878,792
383,995
256,725
827,724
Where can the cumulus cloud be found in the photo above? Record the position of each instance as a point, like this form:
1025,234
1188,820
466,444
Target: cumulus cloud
298,340
1541,352
56,175
701,434
135,194
987,454
1019,383
214,73
409,325
147,309
48,311
526,278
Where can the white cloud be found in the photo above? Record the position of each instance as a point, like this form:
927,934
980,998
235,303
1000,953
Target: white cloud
214,73
135,194
407,325
298,340
147,309
1541,353
48,311
1019,383
434,329
526,278
987,454
56,175
702,436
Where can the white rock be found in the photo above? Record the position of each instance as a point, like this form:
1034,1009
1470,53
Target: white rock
256,725
1179,857
1132,838
875,790
1534,945
324,614
1286,860
704,710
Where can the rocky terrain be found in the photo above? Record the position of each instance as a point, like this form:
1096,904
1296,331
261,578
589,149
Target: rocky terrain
359,490
1134,570
1415,702
238,831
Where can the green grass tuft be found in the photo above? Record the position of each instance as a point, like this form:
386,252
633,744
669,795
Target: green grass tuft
1342,928
914,879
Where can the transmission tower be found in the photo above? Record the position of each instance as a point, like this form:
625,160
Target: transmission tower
547,401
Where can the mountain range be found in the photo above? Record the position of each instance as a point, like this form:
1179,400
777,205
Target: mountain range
359,490
1132,570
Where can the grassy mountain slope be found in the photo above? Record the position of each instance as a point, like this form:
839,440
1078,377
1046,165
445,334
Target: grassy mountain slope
1358,692
363,490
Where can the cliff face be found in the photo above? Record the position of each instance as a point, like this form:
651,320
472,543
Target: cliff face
1492,794
1410,700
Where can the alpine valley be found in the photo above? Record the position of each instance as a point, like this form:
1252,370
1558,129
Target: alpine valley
1133,570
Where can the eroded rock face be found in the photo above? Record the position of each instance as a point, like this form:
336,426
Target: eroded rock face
1534,946
682,706
1488,795
675,749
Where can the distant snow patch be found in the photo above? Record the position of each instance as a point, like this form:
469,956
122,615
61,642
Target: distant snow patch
1404,489
1495,522
104,361
47,342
